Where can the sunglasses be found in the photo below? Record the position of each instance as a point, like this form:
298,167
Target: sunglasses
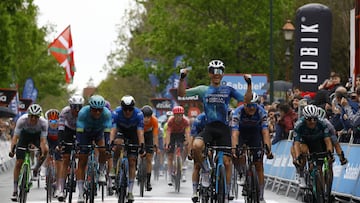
76,107
251,105
97,109
311,118
128,109
218,71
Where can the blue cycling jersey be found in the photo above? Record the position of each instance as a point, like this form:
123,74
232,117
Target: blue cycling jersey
216,101
199,124
243,122
86,123
136,121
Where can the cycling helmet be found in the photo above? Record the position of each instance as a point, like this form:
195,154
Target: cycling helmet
322,113
52,114
76,99
216,64
255,98
147,110
34,109
178,110
97,102
310,111
127,101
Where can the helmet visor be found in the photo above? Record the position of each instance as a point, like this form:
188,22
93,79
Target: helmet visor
218,71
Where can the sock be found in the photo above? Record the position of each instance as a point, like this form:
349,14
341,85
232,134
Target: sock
80,184
131,185
195,186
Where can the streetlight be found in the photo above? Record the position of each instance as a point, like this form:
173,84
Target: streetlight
288,30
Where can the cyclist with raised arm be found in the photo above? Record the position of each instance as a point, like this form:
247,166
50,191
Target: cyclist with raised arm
66,134
250,126
311,134
216,98
31,128
151,132
52,116
128,123
94,120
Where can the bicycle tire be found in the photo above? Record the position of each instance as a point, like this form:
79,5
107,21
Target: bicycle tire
49,181
122,185
142,176
92,183
319,193
328,177
23,184
255,185
71,181
235,187
156,167
221,185
178,174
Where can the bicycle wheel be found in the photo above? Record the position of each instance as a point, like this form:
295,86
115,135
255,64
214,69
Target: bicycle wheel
49,181
71,181
156,167
319,193
23,184
235,187
122,185
328,177
178,173
221,185
142,176
255,185
92,183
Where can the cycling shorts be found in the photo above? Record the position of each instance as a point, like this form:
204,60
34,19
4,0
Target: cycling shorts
216,134
149,142
87,138
25,139
176,138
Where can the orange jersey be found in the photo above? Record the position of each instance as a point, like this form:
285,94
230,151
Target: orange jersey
153,126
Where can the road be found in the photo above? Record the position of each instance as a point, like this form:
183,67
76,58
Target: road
161,192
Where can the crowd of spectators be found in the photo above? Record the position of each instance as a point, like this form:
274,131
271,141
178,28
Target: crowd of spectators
340,100
6,129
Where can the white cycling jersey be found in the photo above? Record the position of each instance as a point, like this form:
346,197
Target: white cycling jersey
67,119
23,124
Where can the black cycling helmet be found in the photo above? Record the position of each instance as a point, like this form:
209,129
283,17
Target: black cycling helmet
147,111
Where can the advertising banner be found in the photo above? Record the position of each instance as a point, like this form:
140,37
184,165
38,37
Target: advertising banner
24,104
162,104
313,28
6,96
237,82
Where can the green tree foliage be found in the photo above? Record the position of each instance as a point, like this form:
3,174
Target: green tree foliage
236,31
23,51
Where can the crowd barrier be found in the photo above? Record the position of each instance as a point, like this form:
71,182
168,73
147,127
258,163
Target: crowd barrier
280,171
6,163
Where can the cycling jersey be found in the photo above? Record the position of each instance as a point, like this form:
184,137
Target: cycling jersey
216,101
86,122
23,127
199,124
152,126
67,119
52,132
314,138
178,127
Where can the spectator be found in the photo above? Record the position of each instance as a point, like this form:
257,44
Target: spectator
300,93
332,83
4,131
272,120
286,122
294,103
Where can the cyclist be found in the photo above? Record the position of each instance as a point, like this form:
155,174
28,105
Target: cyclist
196,127
216,99
151,132
334,140
178,131
67,132
311,134
250,126
93,122
31,128
52,115
129,122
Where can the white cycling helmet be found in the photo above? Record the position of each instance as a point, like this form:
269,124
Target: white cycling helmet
127,101
34,109
310,111
322,113
216,64
76,99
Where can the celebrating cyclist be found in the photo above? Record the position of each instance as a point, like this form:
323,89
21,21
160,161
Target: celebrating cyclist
151,132
31,128
52,115
129,122
311,135
178,131
216,98
67,134
250,126
94,120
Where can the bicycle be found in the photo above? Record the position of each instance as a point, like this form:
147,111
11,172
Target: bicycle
122,172
251,188
156,167
316,190
234,184
216,192
25,172
50,176
90,184
177,165
70,183
142,174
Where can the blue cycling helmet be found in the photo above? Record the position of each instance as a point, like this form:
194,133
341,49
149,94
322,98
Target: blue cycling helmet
97,102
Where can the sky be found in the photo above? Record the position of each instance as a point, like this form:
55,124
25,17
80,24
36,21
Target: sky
94,29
